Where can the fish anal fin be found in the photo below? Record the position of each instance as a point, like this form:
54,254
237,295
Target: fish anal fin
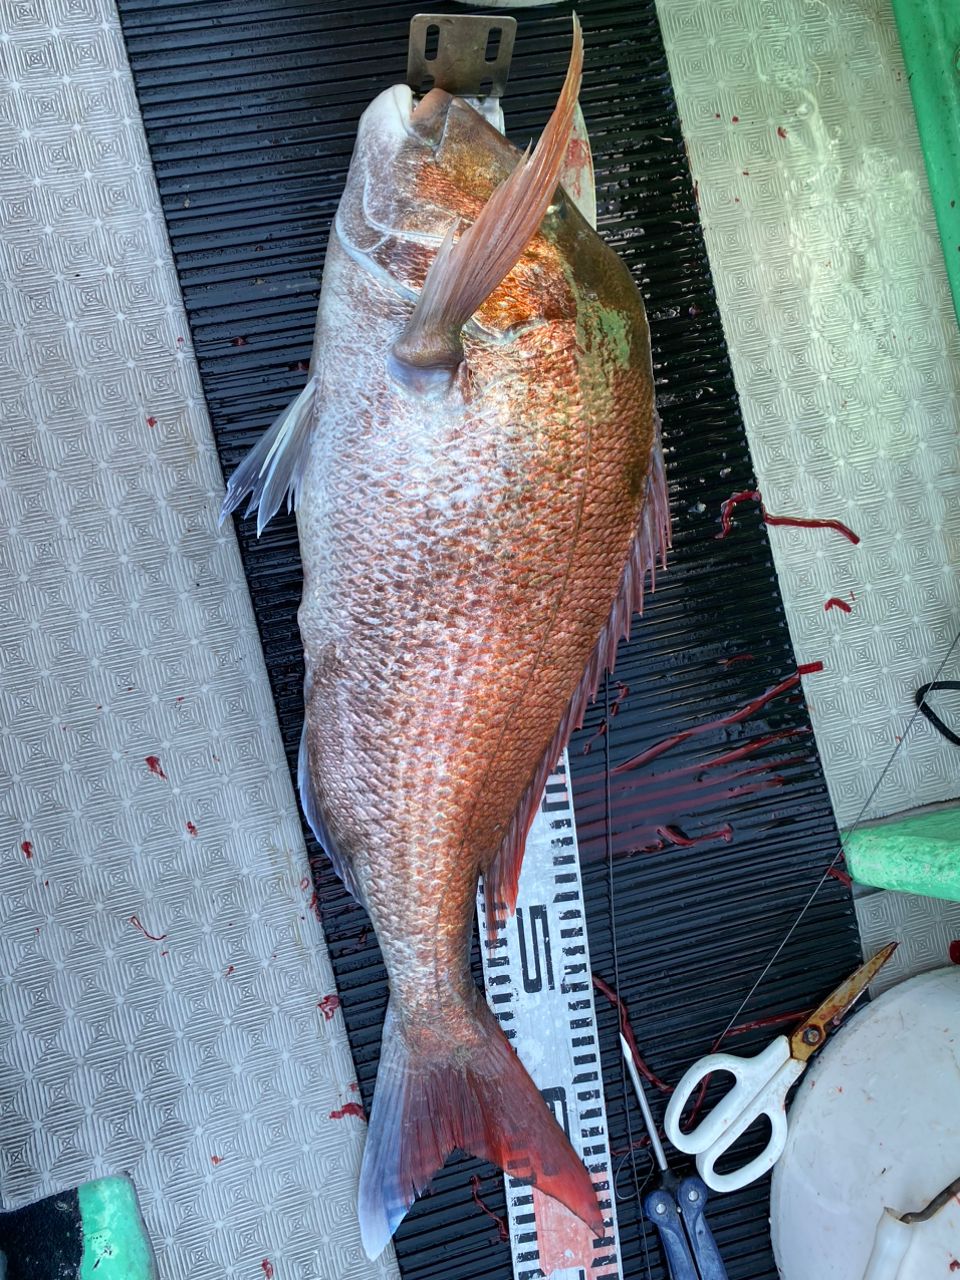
502,878
478,1097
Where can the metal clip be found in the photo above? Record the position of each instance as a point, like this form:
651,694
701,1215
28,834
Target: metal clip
465,54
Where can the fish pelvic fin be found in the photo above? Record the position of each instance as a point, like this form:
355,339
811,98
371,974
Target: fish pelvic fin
477,1097
466,271
650,544
274,467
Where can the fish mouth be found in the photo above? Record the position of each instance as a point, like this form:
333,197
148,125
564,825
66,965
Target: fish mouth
422,120
429,117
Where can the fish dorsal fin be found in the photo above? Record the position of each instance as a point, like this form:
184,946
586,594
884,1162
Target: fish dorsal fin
467,270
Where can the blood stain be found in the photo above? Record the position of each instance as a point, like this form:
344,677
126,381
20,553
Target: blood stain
839,874
229,969
238,342
578,153
954,951
216,1159
348,1109
26,848
151,422
735,717
192,828
781,131
836,603
793,522
734,119
502,1231
154,937
266,1267
154,765
305,883
673,835
328,1006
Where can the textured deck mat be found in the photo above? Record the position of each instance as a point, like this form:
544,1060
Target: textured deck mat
251,112
846,352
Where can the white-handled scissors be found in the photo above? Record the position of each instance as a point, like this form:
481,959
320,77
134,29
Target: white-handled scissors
760,1089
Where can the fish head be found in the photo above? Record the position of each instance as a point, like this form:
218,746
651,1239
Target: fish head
483,265
419,164
423,166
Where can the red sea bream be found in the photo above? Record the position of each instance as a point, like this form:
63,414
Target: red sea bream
476,470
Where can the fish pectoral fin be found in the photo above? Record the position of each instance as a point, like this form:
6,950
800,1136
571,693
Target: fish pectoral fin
476,1096
274,467
466,271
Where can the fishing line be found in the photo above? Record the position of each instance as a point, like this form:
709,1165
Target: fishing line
608,840
840,851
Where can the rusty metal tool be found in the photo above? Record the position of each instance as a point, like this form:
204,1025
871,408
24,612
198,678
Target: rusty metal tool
761,1087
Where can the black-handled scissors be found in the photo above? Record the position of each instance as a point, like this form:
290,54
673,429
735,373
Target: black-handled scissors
676,1205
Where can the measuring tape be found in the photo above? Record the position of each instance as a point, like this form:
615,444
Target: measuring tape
539,986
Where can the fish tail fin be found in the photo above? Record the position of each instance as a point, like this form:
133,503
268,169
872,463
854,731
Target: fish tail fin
475,1096
274,467
466,271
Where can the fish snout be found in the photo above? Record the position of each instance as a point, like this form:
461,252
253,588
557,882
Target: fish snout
429,116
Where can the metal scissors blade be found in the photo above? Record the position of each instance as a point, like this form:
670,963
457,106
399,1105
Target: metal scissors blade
810,1035
761,1086
676,1206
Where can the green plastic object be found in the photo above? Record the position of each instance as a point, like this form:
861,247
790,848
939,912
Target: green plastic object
915,853
930,39
115,1241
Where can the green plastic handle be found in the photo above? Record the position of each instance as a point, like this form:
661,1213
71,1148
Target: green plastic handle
930,39
115,1241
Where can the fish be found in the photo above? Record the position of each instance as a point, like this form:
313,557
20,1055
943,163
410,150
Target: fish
478,479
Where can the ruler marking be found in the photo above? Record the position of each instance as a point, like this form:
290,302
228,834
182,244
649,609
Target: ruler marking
537,970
